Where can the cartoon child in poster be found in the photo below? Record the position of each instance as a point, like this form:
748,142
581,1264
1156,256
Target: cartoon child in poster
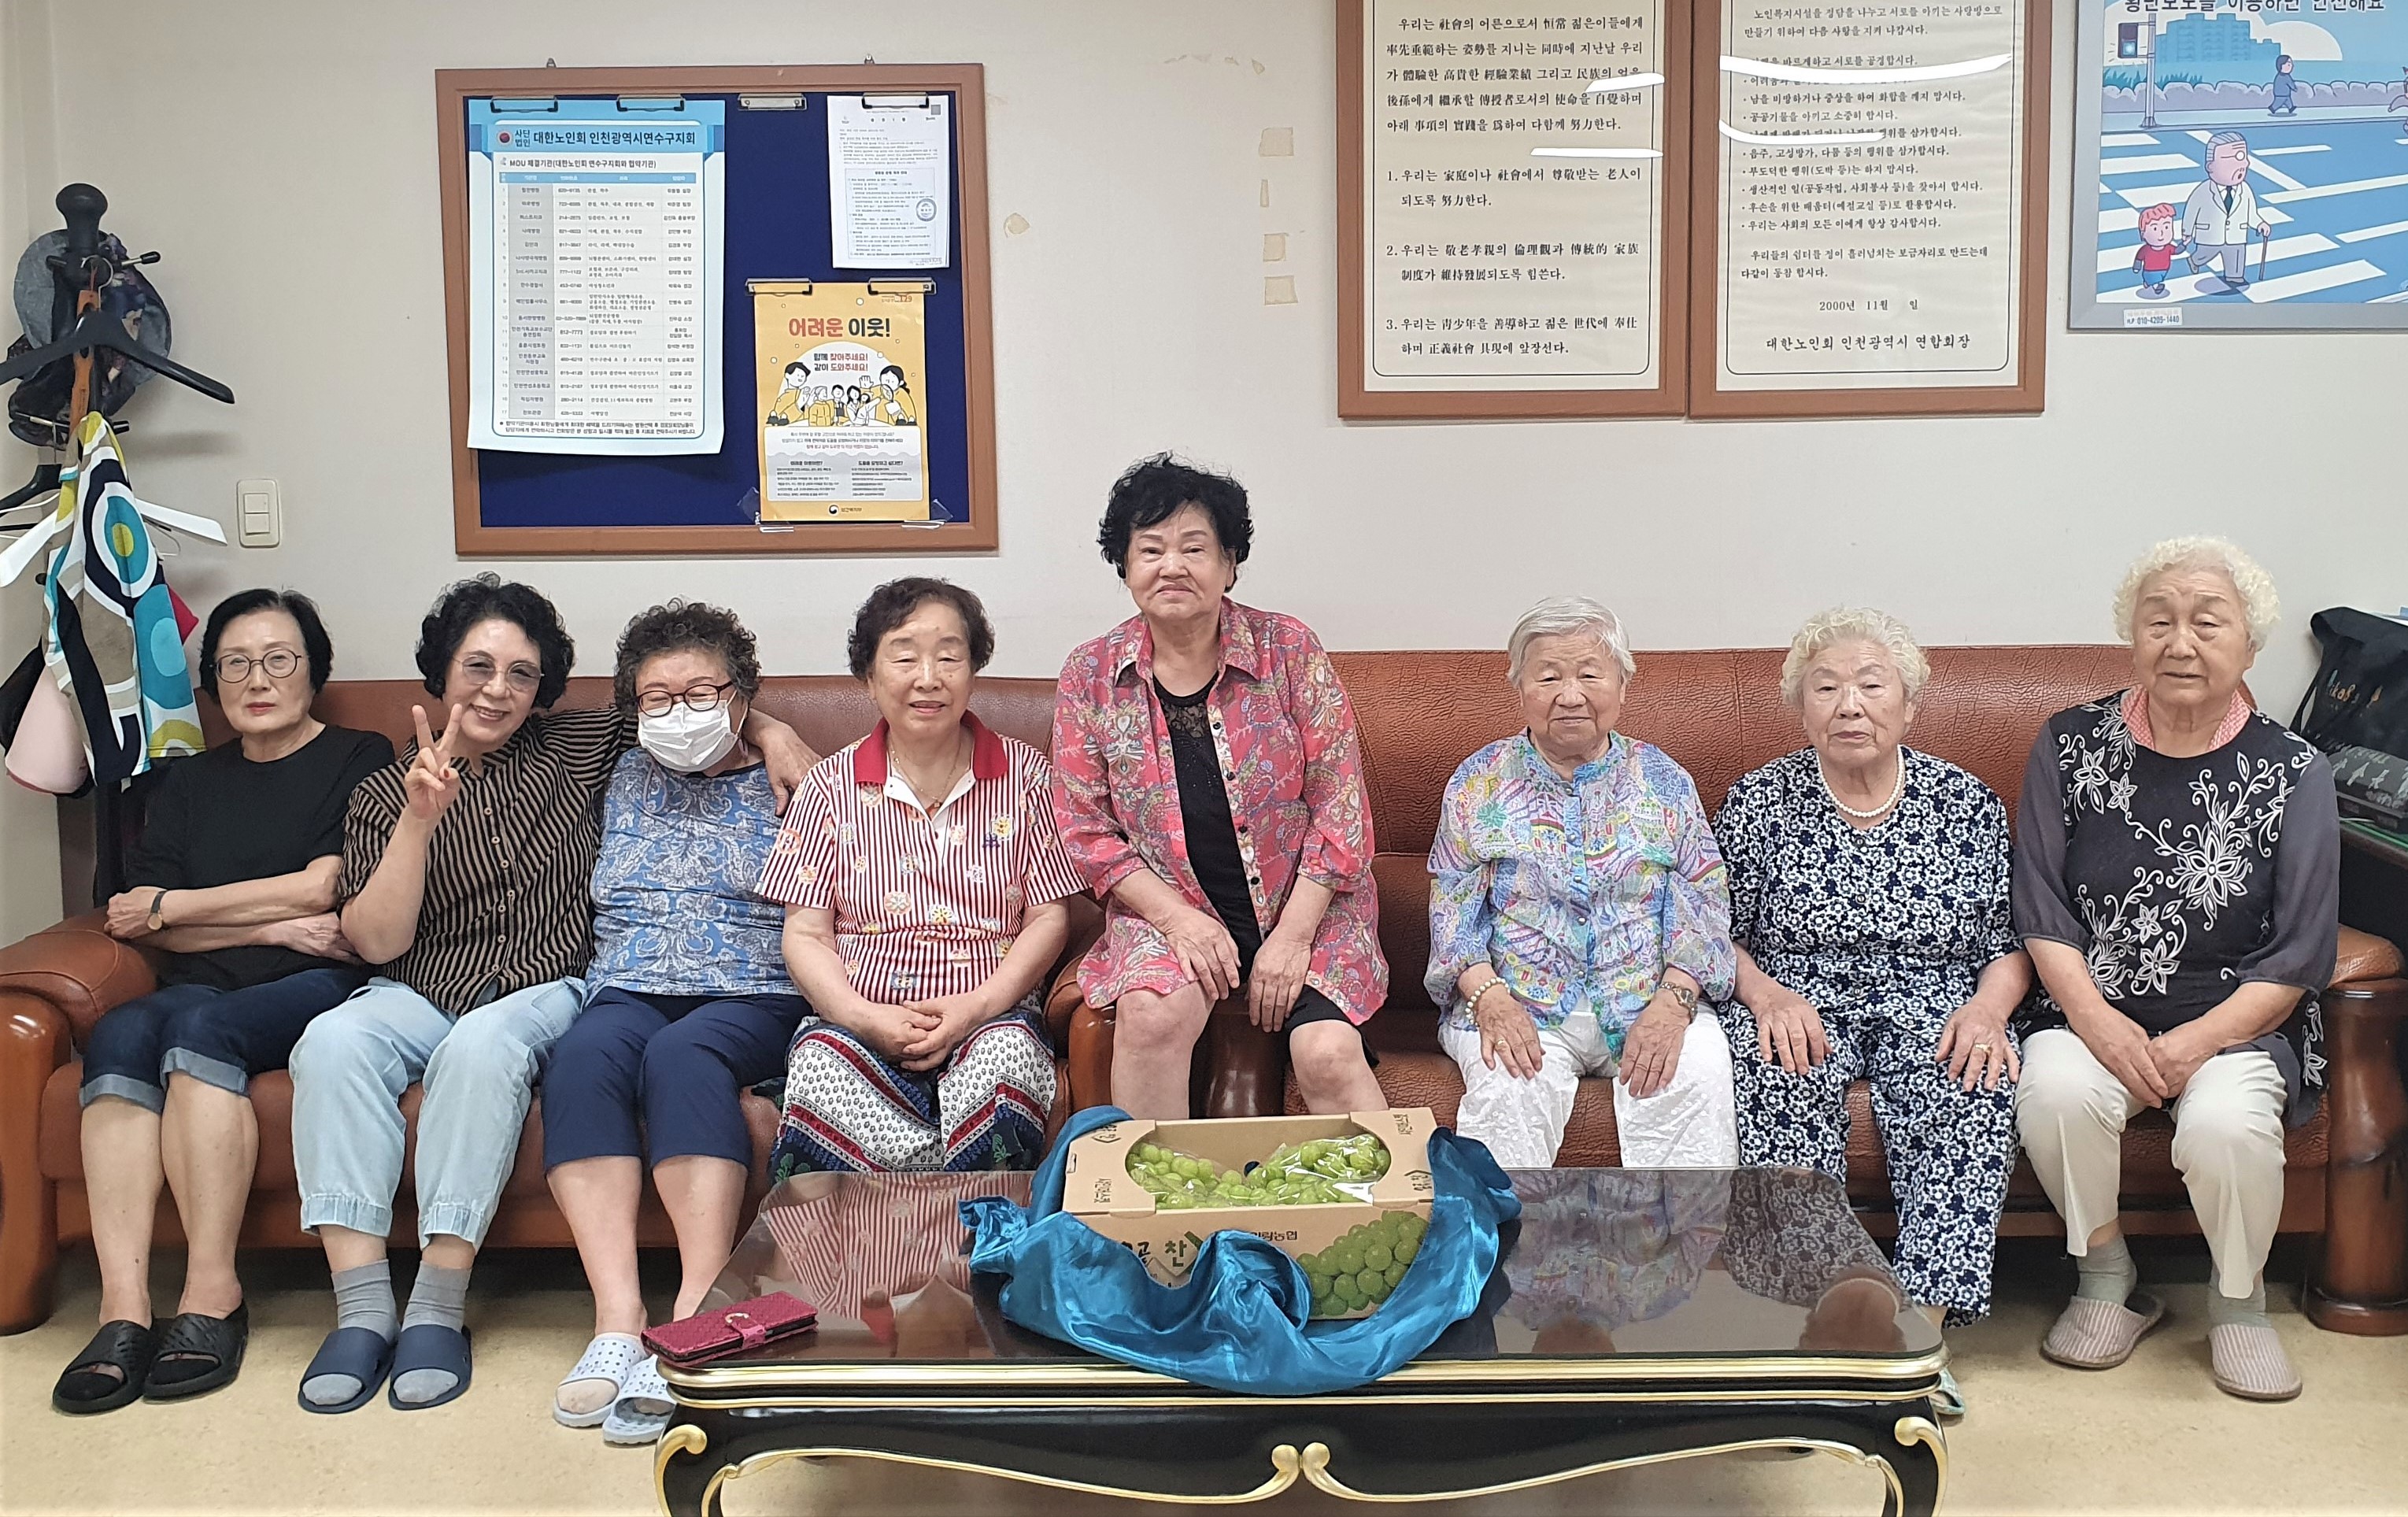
2159,243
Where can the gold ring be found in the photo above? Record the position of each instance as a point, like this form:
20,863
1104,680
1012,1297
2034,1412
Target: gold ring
1981,1048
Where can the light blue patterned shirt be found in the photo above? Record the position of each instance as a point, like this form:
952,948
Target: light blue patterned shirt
1579,893
674,911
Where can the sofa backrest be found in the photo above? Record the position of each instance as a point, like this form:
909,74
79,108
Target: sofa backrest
1717,712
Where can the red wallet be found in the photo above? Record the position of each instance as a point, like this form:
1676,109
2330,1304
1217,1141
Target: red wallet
747,1324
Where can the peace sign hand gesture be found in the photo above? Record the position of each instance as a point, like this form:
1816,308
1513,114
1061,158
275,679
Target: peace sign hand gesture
431,783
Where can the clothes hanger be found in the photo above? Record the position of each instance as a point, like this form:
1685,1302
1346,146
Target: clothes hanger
46,478
85,269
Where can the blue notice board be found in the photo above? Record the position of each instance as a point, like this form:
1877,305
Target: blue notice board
777,227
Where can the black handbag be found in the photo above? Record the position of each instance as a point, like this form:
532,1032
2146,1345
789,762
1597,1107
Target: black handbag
2359,697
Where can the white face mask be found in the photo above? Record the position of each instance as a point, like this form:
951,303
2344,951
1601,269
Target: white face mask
686,740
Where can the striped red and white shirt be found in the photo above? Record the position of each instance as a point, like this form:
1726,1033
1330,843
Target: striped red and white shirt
926,903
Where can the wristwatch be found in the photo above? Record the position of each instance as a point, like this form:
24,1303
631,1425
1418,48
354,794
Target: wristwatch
1683,994
158,923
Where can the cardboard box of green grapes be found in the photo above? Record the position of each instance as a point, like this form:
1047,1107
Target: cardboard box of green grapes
1347,1197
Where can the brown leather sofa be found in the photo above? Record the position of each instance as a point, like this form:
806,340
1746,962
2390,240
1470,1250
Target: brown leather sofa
1719,714
55,984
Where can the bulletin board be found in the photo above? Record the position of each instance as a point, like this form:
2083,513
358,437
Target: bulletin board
777,228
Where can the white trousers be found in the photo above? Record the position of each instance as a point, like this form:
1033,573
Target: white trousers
2071,1111
1691,1123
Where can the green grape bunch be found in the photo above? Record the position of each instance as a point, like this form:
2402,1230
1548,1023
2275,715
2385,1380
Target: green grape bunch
1297,1174
1361,1268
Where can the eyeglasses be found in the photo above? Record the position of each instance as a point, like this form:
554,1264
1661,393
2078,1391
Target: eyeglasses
479,670
233,668
696,698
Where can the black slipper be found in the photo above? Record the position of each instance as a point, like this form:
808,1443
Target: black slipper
126,1346
198,1353
429,1346
361,1352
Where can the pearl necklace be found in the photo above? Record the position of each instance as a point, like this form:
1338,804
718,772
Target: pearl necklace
1895,791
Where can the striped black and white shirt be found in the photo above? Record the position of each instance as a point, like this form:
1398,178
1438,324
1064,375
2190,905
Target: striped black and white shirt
506,903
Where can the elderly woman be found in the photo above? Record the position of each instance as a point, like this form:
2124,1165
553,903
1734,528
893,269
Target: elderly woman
234,875
2177,883
1869,901
466,869
1578,913
1211,787
923,885
687,1003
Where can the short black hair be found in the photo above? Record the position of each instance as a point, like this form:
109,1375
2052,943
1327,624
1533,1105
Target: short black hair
799,363
678,626
1154,489
892,603
300,608
489,598
896,369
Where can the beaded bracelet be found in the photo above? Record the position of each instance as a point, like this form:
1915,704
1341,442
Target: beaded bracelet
1474,1006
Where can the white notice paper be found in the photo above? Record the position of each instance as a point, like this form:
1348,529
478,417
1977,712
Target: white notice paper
595,277
890,183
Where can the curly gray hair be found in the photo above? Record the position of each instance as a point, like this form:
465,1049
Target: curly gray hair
2260,608
1567,616
1854,623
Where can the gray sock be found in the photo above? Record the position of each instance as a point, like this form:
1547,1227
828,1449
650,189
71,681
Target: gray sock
363,1298
441,1297
2107,1272
2237,1311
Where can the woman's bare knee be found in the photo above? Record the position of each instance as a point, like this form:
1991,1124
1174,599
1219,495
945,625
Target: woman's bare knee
1161,1024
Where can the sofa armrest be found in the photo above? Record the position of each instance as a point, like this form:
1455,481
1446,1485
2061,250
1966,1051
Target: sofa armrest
78,969
1062,997
2363,956
2360,1284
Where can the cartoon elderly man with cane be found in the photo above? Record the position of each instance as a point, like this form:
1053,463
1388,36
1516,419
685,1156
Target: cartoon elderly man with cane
2221,215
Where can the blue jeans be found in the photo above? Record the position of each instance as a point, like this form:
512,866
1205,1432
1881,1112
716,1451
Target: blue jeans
479,1070
220,1038
683,1061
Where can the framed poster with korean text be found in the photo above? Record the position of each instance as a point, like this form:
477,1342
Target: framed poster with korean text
1872,185
1512,207
2239,165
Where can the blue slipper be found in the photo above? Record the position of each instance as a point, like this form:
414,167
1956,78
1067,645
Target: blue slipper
429,1346
360,1353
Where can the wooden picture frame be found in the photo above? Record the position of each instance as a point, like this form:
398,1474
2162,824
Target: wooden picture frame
965,82
2026,395
1668,396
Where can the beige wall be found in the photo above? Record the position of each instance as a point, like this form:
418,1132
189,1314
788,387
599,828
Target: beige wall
281,152
29,850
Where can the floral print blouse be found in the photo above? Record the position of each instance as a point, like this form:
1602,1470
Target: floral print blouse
1293,768
1580,893
2180,879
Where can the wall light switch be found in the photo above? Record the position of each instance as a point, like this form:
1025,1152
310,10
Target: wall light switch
259,512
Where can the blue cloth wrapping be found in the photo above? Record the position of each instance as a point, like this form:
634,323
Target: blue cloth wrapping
1239,1324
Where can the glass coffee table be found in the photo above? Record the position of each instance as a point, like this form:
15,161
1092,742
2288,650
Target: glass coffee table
1636,1316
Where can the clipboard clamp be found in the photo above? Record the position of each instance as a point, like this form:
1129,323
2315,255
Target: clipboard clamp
773,102
652,102
800,287
896,287
895,102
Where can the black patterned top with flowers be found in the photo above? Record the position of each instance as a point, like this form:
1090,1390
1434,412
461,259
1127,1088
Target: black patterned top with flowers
2180,879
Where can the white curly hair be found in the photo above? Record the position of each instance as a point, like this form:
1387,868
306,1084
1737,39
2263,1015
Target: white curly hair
1854,623
2260,608
1564,616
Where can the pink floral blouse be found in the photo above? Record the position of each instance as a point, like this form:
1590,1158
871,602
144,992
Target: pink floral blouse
1286,735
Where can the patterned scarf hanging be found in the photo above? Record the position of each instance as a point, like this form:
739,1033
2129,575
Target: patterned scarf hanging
115,642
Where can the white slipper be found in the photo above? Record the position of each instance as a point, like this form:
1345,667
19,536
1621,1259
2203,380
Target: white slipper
612,1356
643,1409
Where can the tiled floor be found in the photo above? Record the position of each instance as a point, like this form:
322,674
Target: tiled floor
2154,1437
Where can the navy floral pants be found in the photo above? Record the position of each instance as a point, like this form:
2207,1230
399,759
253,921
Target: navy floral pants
1948,1150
